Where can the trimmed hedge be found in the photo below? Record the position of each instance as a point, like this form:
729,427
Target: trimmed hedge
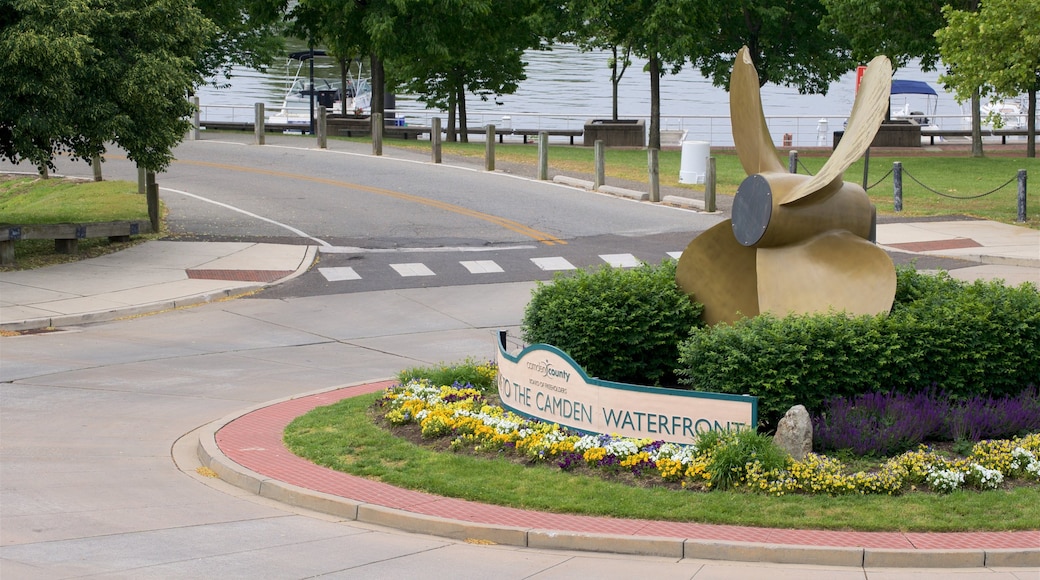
621,325
964,339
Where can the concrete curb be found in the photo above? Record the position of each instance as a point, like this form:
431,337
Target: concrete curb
211,456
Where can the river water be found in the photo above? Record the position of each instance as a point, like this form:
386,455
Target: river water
565,87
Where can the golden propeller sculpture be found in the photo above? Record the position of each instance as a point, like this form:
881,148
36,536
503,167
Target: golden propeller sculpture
795,243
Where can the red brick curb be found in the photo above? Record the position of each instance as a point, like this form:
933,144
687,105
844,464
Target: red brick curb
253,440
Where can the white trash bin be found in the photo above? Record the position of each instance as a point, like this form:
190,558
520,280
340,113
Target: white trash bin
693,167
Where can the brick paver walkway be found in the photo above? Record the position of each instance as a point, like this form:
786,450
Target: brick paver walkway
255,442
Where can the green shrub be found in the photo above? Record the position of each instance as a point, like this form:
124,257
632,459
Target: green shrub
620,325
730,453
963,339
480,374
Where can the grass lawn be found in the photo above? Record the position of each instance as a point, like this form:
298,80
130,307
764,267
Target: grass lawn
955,175
30,201
345,437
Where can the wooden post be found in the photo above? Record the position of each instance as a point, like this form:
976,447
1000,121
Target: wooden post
489,148
195,118
655,174
435,139
142,180
95,164
543,155
792,161
153,200
709,186
323,140
258,123
377,133
601,164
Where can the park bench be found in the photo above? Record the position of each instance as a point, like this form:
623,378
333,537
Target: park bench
1002,133
66,236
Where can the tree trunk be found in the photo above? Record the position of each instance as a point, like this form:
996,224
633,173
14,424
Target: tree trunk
614,80
655,101
976,123
1031,126
344,66
378,85
460,101
452,135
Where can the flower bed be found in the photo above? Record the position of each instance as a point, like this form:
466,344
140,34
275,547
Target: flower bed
463,414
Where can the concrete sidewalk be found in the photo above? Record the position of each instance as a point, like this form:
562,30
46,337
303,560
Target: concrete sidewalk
160,275
150,277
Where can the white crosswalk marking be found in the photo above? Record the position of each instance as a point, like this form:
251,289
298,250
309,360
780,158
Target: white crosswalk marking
339,274
555,263
412,269
675,255
482,267
621,260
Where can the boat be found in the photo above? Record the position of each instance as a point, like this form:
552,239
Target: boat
914,101
1010,112
304,94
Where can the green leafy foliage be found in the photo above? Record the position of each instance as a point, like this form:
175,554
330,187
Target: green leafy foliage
480,375
620,325
964,339
730,454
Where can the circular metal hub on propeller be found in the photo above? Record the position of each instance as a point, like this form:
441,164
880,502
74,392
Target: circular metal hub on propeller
752,209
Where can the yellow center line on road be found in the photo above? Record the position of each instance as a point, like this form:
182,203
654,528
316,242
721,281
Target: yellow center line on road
543,237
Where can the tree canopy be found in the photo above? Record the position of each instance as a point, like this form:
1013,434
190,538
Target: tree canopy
995,51
80,73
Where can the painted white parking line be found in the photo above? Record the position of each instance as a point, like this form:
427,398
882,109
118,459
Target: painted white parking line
339,274
555,263
675,255
482,267
412,269
621,260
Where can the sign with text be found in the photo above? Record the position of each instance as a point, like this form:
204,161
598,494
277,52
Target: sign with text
542,382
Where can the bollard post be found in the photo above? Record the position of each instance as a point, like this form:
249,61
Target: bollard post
792,161
489,148
323,135
601,164
152,195
709,186
655,174
1021,195
543,155
195,118
377,133
897,186
95,164
435,139
258,123
142,180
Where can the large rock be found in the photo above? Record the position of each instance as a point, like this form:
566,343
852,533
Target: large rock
794,432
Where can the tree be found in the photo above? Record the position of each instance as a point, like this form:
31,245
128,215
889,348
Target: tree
602,24
249,34
78,74
786,41
901,30
455,48
994,52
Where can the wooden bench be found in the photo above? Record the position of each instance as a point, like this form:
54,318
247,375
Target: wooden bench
1002,133
66,236
525,133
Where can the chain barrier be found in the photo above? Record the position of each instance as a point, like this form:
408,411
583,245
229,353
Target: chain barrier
802,165
918,182
878,182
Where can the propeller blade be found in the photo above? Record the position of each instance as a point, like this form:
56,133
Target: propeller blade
868,111
835,269
720,274
750,133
